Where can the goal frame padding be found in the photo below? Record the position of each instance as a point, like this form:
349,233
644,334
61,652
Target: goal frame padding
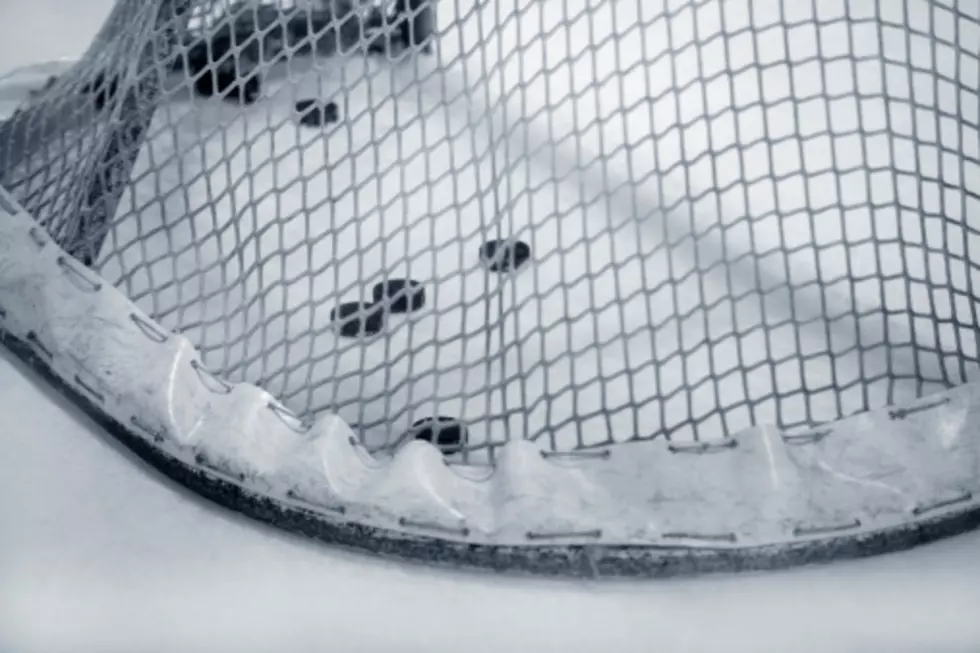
48,323
574,561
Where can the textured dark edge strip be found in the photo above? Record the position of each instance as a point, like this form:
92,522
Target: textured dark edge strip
575,561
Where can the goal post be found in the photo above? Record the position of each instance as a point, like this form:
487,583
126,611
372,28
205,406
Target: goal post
584,288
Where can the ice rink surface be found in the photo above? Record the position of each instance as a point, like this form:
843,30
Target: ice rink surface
99,554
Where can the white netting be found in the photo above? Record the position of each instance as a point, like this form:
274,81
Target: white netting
737,212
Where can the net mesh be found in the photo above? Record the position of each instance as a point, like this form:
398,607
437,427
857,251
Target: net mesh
734,213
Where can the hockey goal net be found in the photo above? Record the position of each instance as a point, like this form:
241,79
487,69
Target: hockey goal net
668,286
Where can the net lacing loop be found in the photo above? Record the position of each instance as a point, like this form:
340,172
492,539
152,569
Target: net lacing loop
210,380
404,522
38,236
146,428
293,495
592,534
79,279
548,454
923,508
806,530
702,447
810,437
149,329
291,420
98,396
902,413
33,338
703,537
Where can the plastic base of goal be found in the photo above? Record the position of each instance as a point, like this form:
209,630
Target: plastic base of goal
877,482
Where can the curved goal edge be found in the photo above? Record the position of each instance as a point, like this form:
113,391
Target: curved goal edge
764,500
576,561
